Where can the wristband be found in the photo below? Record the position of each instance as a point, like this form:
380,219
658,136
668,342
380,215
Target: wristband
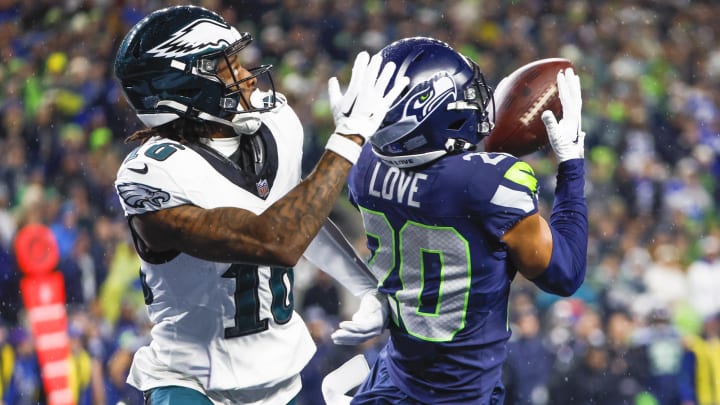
344,147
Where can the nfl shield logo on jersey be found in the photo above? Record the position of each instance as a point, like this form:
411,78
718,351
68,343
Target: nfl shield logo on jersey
263,188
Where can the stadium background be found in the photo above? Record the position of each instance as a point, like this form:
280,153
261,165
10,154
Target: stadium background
650,72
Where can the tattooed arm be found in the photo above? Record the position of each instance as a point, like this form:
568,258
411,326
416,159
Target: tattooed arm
278,236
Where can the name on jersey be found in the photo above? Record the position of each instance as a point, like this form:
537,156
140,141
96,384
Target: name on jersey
396,185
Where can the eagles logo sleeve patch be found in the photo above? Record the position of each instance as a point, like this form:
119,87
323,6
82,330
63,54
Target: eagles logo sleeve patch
142,196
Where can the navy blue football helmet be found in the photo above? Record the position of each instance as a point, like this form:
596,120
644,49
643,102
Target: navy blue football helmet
443,110
168,63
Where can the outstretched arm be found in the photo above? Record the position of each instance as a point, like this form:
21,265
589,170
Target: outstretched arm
281,233
554,255
278,236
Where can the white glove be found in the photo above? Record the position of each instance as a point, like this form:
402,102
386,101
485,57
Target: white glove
566,137
364,105
344,378
368,321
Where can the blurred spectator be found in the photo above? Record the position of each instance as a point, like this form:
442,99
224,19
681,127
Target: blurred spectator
7,221
685,193
65,228
589,380
619,329
704,278
7,363
616,288
699,382
665,277
78,269
26,386
324,294
327,357
9,274
118,367
122,283
81,372
87,367
525,374
588,330
657,355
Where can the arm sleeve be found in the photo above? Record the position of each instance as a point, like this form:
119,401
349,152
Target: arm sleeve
686,379
569,227
334,255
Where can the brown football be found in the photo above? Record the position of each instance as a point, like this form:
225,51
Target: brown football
528,91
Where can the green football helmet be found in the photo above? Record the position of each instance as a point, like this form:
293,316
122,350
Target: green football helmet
167,66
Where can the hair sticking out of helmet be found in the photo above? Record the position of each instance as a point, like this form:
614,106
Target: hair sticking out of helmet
442,111
168,68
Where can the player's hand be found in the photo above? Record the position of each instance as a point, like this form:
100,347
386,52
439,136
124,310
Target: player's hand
369,320
364,105
567,137
344,378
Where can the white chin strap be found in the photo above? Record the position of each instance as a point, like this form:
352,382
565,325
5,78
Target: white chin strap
245,123
248,122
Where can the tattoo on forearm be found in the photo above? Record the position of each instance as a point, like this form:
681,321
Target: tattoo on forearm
311,202
287,226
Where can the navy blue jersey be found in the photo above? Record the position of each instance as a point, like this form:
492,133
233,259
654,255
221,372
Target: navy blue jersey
435,236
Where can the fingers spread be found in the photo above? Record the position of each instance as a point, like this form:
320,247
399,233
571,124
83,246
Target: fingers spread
334,91
359,71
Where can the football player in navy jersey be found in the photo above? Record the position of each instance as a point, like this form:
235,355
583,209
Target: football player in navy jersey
219,215
449,226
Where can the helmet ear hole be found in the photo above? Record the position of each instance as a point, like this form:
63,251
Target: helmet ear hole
456,125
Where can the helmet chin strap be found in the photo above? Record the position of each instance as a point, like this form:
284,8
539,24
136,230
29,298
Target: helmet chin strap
243,123
246,123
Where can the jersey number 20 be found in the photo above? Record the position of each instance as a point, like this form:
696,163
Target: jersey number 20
431,265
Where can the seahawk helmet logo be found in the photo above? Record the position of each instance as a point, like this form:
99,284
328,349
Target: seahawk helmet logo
420,103
429,95
200,36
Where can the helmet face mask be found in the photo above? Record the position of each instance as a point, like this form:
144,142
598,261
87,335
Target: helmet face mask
168,67
209,65
443,110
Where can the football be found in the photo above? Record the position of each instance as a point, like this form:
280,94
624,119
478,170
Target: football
519,102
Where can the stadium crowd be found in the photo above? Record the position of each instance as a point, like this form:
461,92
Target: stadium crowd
641,330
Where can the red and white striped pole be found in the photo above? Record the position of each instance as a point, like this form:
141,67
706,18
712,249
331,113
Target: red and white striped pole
43,292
